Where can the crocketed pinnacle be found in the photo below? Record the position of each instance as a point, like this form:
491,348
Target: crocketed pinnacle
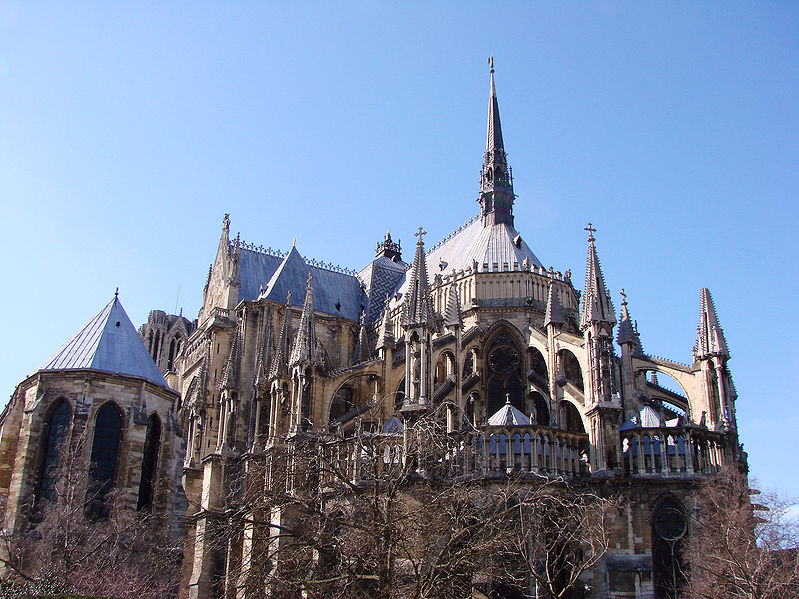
279,365
452,311
230,373
554,313
305,350
265,354
362,352
597,307
709,334
628,331
418,309
385,334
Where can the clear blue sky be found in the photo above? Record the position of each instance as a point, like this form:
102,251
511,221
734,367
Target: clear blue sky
128,129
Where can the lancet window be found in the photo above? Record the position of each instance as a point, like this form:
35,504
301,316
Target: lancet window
105,450
55,434
149,466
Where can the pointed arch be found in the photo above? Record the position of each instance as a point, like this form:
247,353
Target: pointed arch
149,464
104,457
54,435
669,534
503,367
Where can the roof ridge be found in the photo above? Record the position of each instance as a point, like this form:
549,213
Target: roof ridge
320,264
451,235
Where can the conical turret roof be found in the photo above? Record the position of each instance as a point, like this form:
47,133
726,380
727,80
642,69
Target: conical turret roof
507,415
108,342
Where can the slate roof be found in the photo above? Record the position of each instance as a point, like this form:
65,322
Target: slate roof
278,276
109,342
507,415
648,417
485,244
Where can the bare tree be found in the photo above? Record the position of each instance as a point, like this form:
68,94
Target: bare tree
66,548
740,549
368,514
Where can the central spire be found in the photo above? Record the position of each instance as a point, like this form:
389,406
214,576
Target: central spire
496,178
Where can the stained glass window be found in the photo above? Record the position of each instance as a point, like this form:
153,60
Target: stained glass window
105,448
54,436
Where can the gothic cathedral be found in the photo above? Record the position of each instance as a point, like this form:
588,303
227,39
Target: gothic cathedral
543,379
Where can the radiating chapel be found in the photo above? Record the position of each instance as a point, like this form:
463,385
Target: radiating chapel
99,417
477,327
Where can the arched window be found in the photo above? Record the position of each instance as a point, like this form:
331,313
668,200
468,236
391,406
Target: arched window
171,359
669,530
105,448
149,464
155,347
505,368
55,433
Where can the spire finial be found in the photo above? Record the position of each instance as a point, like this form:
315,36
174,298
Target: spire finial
226,221
491,63
116,293
420,233
623,297
591,230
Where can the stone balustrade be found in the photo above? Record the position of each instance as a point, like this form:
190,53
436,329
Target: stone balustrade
673,451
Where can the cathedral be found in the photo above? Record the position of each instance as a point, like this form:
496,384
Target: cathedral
524,377
473,328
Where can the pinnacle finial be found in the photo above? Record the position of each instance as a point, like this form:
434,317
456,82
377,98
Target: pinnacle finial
288,298
116,293
591,230
226,221
308,282
420,233
491,63
623,297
